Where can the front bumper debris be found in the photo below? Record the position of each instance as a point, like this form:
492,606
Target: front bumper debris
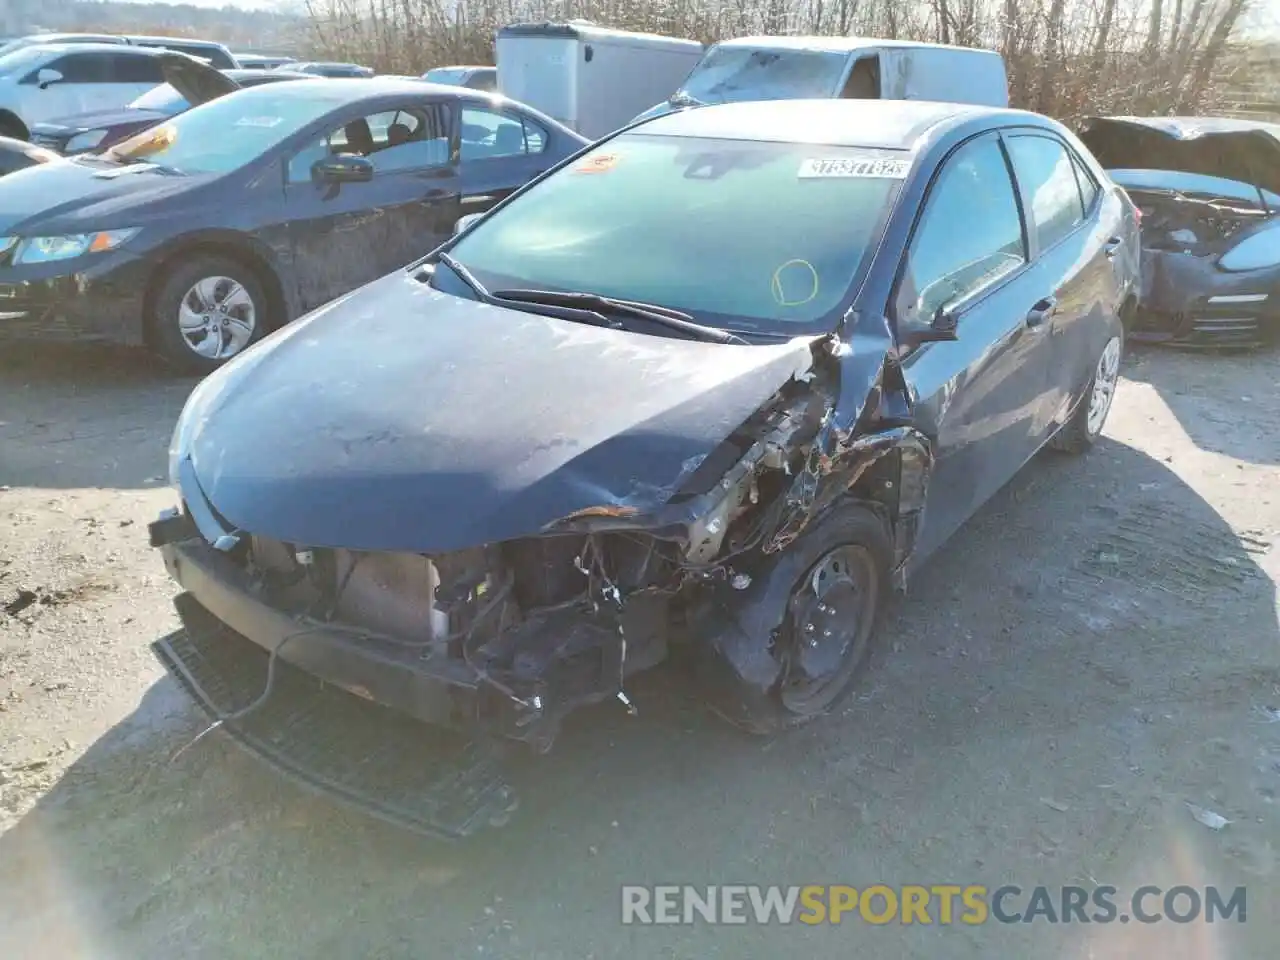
53,301
421,778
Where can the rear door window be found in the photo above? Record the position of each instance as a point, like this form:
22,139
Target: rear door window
1050,194
487,134
1088,185
136,68
968,238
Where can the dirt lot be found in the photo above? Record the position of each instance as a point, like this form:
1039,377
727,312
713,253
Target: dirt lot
1097,648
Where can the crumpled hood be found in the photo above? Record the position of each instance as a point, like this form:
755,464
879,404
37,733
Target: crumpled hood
1244,150
400,418
78,196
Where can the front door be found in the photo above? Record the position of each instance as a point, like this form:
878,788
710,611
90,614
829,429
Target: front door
344,235
982,398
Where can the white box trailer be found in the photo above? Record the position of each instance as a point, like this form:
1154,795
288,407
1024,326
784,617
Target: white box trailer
590,78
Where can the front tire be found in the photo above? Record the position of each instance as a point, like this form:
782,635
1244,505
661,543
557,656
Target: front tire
1085,426
839,574
207,310
12,127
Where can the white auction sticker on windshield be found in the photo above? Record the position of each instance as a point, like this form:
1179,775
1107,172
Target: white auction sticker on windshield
259,121
890,168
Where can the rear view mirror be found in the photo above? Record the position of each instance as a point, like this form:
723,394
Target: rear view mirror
464,222
343,168
47,76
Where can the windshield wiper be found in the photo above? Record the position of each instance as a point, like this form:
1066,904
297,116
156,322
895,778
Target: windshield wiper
663,316
682,99
564,312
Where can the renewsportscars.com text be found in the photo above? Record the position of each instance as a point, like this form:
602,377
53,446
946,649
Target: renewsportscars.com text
942,904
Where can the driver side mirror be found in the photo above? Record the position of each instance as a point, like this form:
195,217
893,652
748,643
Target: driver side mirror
343,168
943,328
465,222
46,77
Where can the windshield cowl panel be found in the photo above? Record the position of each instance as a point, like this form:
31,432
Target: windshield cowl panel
758,237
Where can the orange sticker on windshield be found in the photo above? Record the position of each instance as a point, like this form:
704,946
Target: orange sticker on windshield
600,163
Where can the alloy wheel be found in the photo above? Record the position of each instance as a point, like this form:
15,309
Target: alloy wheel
1105,379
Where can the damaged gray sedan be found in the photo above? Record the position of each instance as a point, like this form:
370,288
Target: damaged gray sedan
723,380
1208,189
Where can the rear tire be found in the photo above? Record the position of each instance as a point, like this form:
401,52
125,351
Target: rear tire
206,310
1085,426
12,127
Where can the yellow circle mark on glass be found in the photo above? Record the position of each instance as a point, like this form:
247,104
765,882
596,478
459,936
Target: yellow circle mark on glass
779,291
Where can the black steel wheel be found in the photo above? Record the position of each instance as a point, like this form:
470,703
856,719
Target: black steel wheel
833,613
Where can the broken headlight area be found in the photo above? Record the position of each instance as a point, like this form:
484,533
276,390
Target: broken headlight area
1210,265
1200,226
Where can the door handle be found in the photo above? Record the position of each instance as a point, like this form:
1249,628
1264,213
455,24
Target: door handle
1041,313
1112,247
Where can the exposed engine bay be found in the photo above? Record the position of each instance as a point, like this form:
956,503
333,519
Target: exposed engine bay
1194,224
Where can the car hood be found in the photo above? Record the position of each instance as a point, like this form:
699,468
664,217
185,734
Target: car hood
400,418
197,82
89,196
1244,150
96,120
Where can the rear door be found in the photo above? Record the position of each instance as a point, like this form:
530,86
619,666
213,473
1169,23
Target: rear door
1073,233
982,397
499,152
345,235
130,75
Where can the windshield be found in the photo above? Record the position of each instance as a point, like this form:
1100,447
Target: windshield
745,235
162,99
22,59
728,74
229,132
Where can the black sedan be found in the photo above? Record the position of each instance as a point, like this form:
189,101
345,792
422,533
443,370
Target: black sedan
198,236
334,70
188,84
1209,192
726,376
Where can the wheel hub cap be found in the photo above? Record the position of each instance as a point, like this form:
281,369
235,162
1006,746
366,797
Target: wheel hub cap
217,318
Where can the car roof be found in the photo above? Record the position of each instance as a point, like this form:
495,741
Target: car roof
185,41
880,124
835,44
71,38
462,66
265,76
69,46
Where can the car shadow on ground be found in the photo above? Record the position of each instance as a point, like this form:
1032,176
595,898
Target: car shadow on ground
1202,390
1076,604
79,415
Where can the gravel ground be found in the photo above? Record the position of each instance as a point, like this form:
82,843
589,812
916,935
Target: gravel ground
1096,649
